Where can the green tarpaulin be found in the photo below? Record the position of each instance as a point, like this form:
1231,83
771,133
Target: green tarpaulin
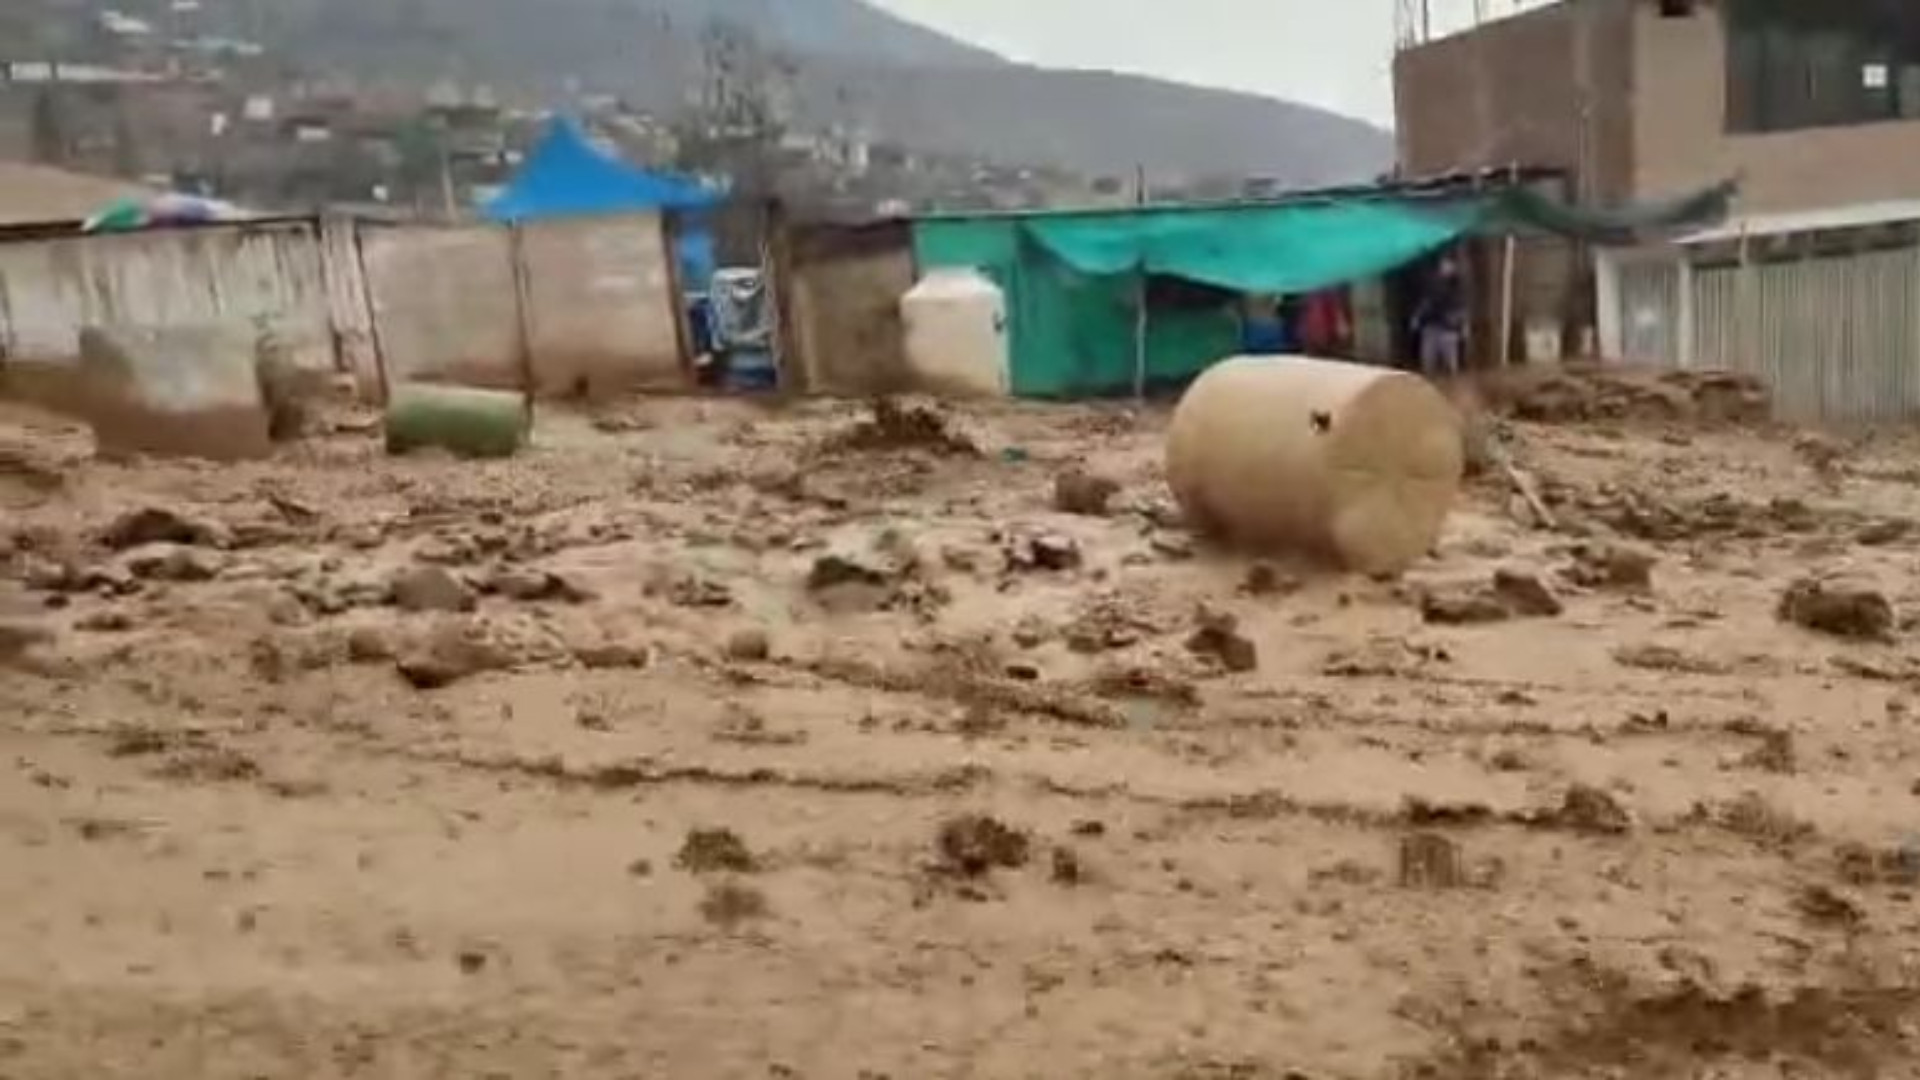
1072,279
1284,249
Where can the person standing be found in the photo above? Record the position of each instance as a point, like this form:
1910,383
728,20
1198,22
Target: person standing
1440,322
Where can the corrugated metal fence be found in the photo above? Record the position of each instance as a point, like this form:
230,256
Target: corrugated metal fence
1836,336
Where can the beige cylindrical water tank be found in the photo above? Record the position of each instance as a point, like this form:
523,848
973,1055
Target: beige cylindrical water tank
956,331
1356,464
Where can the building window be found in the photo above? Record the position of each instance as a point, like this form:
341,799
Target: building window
1793,65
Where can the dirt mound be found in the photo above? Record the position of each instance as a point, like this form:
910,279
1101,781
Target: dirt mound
1621,392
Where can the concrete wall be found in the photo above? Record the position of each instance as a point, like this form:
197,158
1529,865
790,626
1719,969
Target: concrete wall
602,307
841,290
1547,88
1681,141
444,305
238,278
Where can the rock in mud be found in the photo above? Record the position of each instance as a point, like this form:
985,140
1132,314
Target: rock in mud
1588,809
975,845
710,851
834,570
449,653
1027,551
431,588
537,586
1612,566
1463,606
729,904
1526,594
159,525
1839,607
1077,491
174,563
370,645
1217,637
749,646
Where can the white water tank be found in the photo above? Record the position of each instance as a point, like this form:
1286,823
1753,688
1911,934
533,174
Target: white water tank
956,328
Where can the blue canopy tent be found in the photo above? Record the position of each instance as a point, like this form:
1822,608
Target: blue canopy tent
568,176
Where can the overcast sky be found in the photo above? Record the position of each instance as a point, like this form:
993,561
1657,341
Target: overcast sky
1331,53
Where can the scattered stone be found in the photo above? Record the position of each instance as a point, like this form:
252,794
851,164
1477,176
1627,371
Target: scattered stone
370,645
1753,817
174,563
1473,606
974,845
159,525
1028,550
750,646
536,586
1431,861
699,591
1218,637
1612,566
730,904
1839,607
709,851
1588,809
431,588
835,570
1076,491
608,653
111,621
1824,906
1666,658
1525,594
1264,580
1775,754
1068,869
1884,533
900,424
449,653
19,636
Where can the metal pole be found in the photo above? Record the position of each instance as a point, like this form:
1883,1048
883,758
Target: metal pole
1510,254
1140,300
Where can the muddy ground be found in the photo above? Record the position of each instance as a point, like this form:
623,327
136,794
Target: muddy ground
707,740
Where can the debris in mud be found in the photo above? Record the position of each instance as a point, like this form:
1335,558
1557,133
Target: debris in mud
832,571
19,636
1105,623
1884,533
711,851
1218,638
206,764
1863,866
450,652
1612,566
1822,454
1431,861
159,525
1421,811
975,845
1775,754
370,645
1384,657
1511,594
1028,550
750,646
1077,491
1586,392
1823,906
537,586
173,563
731,904
1526,594
1757,819
1666,658
698,591
1840,607
604,651
1068,868
904,424
1264,580
431,589
1588,809
110,621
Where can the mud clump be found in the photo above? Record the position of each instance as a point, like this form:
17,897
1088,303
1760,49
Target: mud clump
449,653
975,845
1526,595
159,525
1838,607
731,904
1587,809
714,851
749,646
1031,551
1612,566
431,588
539,586
1511,594
906,424
1218,638
1068,868
1077,491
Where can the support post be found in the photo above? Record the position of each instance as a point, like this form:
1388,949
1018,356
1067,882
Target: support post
1140,299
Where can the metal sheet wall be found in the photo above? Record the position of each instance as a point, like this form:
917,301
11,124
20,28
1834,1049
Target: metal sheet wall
1836,337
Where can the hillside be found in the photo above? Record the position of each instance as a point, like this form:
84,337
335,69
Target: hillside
857,66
